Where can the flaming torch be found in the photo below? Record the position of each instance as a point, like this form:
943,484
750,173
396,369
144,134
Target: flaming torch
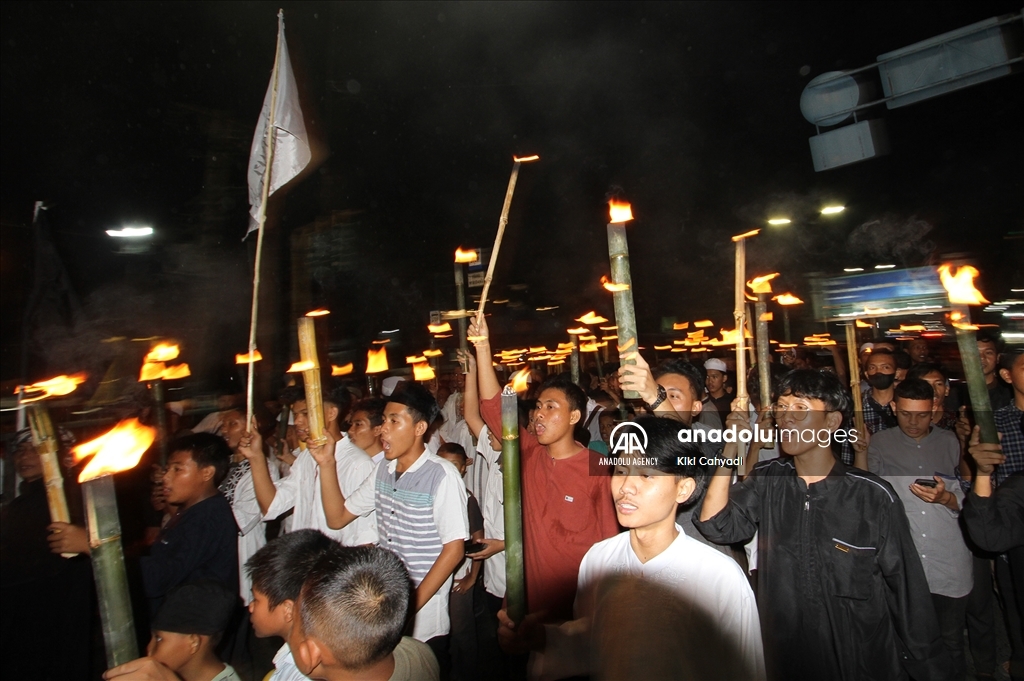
961,291
117,450
462,257
376,363
44,439
311,379
762,287
515,583
154,371
739,313
786,300
621,284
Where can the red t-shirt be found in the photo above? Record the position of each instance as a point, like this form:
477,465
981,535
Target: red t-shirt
566,510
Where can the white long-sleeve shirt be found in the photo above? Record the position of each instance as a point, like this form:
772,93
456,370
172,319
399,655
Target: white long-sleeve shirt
698,573
301,491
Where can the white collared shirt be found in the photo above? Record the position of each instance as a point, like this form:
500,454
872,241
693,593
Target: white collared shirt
284,666
493,509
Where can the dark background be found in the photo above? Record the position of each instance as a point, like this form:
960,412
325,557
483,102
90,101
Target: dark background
120,113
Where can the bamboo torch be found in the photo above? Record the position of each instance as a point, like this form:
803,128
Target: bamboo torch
117,450
462,257
962,294
310,366
154,371
739,314
762,287
376,363
854,375
621,285
515,582
502,221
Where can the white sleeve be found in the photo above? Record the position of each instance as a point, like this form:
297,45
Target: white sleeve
450,507
245,507
287,490
364,500
353,471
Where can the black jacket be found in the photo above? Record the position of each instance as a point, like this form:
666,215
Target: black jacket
841,591
996,523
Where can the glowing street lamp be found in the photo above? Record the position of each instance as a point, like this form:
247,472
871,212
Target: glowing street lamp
779,221
832,210
130,232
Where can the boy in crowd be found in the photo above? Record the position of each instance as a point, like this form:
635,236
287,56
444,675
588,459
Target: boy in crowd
715,383
352,611
420,501
880,372
278,571
842,593
186,632
566,509
320,477
654,548
909,457
199,542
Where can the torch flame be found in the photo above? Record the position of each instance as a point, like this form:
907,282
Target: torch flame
319,312
762,284
787,299
609,285
246,358
439,328
376,360
960,286
680,326
620,211
343,370
741,237
176,371
116,450
956,317
433,353
299,367
53,387
163,352
152,371
590,347
415,359
703,324
662,347
578,331
591,318
520,380
525,159
421,371
464,256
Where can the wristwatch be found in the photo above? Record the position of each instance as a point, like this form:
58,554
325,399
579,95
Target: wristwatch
662,396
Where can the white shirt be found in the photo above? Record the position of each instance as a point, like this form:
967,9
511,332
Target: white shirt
493,509
301,491
698,573
284,666
252,534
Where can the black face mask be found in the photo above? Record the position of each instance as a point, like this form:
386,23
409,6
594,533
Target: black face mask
881,381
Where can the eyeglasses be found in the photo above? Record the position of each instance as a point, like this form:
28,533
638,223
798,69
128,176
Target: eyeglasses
798,412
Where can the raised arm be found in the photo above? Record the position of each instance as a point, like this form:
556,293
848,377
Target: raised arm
471,397
487,379
251,447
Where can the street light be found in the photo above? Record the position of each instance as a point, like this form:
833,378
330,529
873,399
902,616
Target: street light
779,221
832,210
130,232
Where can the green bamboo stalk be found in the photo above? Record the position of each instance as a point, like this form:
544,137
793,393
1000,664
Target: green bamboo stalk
515,586
981,406
625,316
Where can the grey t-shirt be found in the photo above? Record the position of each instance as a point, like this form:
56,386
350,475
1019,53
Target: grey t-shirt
414,661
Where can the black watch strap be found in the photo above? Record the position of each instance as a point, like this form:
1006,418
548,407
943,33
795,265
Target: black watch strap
662,396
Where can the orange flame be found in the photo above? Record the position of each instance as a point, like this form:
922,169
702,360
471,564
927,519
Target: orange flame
591,318
52,387
619,211
343,370
767,317
703,324
539,348
762,284
421,371
465,256
787,299
152,371
579,331
299,367
433,353
741,237
609,285
526,159
245,358
415,359
163,352
319,312
960,286
439,328
662,347
176,371
956,317
520,380
116,450
376,360
912,327
681,326
589,347
862,325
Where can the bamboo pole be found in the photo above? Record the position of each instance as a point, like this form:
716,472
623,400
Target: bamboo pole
625,313
977,389
853,372
739,314
107,556
44,439
460,304
574,360
311,378
764,372
261,223
157,388
515,583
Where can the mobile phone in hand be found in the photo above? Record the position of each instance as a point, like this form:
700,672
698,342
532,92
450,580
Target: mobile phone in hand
474,546
926,482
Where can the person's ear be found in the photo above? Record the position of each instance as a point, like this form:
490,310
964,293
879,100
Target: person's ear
574,417
685,489
833,420
194,640
206,473
1006,375
308,655
376,430
892,405
420,428
330,413
697,407
289,610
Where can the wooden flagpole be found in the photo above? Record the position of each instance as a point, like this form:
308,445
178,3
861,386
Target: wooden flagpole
261,221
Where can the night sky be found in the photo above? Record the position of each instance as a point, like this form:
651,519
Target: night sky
690,111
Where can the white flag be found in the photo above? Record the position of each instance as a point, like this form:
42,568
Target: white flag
291,145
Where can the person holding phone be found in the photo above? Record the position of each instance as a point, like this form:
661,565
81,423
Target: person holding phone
920,461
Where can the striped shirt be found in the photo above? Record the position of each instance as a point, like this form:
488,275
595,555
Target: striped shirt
1010,424
418,512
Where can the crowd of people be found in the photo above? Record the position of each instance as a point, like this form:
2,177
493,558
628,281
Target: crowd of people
825,550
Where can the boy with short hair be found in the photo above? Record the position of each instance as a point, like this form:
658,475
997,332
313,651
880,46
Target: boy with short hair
841,590
352,612
278,571
199,542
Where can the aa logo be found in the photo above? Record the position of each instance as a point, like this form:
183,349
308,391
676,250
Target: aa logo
629,438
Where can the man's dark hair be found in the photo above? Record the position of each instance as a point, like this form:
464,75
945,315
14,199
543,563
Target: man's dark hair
417,400
903,359
341,398
356,602
1008,357
291,395
279,569
453,448
924,368
695,375
995,339
663,444
882,351
206,449
914,389
574,394
373,407
815,385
